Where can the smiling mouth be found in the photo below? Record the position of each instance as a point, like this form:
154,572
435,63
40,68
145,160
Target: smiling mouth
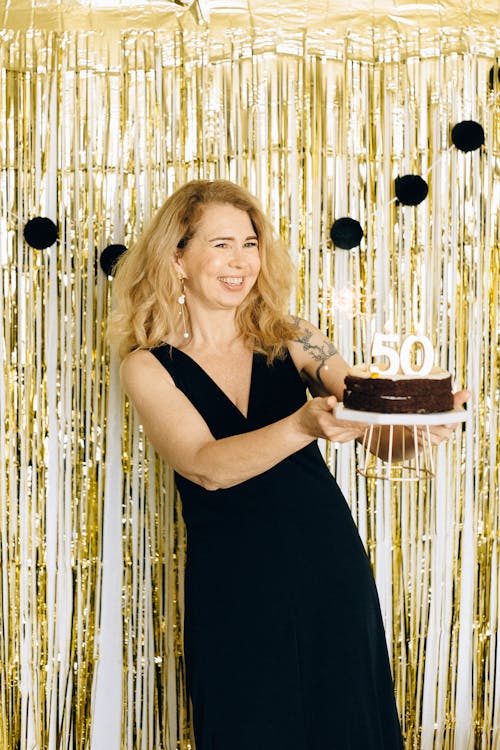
231,280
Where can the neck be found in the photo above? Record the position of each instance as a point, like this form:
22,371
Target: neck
215,330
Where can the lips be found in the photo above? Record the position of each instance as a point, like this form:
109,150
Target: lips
234,282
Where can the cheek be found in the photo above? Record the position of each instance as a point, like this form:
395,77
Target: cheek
213,264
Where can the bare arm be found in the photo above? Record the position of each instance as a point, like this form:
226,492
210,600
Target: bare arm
181,436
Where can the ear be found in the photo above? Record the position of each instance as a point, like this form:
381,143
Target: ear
177,262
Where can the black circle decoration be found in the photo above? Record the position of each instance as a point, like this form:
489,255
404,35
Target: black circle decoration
491,76
346,233
40,232
411,189
467,135
109,258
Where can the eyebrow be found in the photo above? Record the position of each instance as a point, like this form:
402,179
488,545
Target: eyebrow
250,237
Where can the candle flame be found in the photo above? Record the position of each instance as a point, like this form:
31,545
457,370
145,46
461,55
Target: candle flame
348,301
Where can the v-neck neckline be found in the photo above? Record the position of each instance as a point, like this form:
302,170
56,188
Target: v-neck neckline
217,386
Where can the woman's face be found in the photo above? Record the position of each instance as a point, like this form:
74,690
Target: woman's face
221,261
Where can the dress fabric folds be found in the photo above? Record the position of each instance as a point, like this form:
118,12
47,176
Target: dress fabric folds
283,636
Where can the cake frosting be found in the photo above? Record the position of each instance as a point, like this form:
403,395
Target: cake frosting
399,393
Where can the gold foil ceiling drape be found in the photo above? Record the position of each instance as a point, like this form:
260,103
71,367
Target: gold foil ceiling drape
96,130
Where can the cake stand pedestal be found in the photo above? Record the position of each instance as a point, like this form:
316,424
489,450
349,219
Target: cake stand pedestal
416,461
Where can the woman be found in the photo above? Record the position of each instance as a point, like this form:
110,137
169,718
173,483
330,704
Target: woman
284,642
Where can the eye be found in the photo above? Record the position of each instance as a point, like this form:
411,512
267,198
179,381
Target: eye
221,245
252,244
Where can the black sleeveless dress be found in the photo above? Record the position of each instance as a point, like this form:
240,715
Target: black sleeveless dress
284,642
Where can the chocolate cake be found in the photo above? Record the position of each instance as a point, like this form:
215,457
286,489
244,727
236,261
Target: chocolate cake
398,394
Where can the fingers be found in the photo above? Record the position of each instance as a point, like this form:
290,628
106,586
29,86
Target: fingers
330,402
322,423
460,398
443,432
343,434
440,434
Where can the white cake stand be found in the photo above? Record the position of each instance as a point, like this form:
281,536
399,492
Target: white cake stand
416,460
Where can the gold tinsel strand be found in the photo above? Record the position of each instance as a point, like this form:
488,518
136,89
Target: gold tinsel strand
95,134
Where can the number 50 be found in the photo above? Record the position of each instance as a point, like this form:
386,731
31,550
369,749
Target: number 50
381,347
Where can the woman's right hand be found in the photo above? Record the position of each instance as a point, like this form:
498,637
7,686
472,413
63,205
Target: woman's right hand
317,419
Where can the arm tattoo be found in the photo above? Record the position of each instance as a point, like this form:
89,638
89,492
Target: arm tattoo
319,352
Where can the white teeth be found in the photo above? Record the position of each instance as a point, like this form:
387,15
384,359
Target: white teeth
235,281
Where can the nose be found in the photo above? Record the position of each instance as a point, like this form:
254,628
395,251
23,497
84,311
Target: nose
237,258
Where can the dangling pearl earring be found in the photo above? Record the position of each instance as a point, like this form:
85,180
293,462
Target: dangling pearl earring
182,302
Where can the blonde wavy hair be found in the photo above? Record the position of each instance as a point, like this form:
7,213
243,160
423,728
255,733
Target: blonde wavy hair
145,309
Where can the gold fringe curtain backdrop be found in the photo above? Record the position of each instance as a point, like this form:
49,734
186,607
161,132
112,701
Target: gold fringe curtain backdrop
95,133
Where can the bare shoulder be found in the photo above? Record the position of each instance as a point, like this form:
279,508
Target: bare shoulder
137,359
317,359
139,368
174,427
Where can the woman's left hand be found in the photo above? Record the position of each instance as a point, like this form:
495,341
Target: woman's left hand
439,433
